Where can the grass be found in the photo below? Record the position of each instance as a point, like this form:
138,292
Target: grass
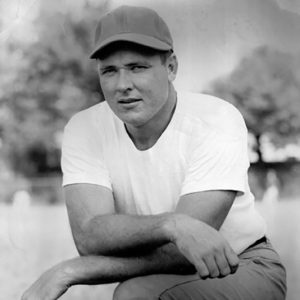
34,238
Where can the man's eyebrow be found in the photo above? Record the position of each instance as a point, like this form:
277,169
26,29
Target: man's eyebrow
107,67
131,64
139,62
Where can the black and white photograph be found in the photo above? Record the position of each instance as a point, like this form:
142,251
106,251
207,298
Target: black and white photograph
149,150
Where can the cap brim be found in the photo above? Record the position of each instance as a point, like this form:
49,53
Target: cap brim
140,39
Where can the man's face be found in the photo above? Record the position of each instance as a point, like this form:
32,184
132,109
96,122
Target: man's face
135,85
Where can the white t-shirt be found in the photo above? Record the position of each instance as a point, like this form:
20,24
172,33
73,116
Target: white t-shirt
203,148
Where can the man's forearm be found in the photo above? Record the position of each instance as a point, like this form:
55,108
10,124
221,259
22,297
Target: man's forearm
195,247
106,269
121,235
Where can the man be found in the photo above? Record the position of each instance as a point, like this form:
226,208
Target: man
156,183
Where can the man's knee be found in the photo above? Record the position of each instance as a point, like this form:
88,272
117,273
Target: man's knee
143,288
121,291
133,289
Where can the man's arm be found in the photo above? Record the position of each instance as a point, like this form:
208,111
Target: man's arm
103,269
193,245
97,230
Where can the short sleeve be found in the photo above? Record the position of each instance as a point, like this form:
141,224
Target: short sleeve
82,158
220,160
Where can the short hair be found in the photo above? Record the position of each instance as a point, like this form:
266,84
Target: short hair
147,51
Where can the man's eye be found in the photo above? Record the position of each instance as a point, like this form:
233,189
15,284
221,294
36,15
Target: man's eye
108,72
138,68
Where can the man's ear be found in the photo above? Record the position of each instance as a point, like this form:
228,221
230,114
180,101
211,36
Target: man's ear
172,66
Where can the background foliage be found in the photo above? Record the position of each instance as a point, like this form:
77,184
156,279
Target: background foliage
265,87
45,81
54,80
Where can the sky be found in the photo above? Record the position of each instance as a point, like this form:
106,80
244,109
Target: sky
210,36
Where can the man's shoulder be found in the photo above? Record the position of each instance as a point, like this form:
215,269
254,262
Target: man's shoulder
89,117
207,106
212,111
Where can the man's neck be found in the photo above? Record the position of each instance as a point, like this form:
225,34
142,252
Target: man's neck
144,137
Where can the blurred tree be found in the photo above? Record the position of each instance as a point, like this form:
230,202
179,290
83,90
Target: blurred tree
265,87
54,80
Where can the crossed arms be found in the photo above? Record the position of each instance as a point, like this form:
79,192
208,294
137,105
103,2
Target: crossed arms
115,247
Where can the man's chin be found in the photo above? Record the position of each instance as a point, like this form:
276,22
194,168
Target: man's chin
133,121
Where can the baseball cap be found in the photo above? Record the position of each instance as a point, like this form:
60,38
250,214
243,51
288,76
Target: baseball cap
134,24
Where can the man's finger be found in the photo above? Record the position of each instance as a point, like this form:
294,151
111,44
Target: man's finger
212,266
202,269
232,259
223,265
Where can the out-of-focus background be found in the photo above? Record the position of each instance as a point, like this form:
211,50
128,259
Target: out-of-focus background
244,51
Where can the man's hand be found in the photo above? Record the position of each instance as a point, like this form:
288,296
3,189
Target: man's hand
50,286
203,246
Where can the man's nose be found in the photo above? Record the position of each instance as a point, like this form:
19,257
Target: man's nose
124,81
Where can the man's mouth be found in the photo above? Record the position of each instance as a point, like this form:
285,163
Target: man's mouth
129,100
